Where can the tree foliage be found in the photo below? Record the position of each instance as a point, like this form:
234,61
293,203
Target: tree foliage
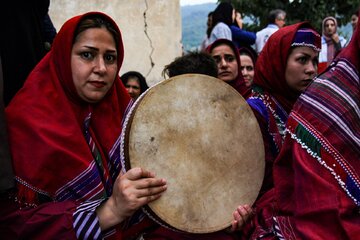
296,10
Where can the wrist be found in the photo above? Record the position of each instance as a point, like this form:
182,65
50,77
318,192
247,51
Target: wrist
108,217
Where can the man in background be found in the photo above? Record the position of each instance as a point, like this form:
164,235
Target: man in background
276,20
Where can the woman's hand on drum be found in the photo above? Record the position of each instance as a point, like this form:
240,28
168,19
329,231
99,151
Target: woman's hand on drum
131,191
241,215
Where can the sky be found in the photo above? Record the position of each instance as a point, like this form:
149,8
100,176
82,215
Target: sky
195,2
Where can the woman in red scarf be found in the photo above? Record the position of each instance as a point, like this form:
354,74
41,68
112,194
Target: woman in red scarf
227,59
331,42
316,191
285,67
64,133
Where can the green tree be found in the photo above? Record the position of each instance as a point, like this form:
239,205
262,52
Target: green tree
296,10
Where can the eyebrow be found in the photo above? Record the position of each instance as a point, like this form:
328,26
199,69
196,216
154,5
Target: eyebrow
96,49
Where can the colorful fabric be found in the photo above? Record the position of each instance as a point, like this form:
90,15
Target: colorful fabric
239,82
51,156
272,98
307,38
272,119
316,192
340,124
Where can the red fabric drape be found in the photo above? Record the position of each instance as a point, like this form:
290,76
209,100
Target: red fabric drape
45,119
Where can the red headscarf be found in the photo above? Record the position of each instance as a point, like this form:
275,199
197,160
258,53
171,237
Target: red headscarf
271,65
239,82
45,119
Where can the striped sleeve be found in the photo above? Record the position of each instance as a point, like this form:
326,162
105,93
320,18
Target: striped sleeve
86,222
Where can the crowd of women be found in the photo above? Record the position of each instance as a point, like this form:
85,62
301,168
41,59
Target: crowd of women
64,130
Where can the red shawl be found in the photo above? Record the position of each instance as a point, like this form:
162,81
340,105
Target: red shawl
271,64
316,192
239,82
45,121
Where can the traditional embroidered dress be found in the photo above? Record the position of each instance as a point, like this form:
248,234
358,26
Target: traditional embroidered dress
65,151
238,83
316,191
272,98
272,119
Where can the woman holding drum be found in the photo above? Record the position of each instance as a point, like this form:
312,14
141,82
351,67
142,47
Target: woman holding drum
64,129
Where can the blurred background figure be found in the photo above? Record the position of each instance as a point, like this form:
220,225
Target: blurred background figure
354,19
206,39
135,83
49,32
331,42
22,41
240,37
222,18
276,20
248,59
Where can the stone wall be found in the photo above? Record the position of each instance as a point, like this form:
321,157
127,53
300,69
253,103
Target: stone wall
151,30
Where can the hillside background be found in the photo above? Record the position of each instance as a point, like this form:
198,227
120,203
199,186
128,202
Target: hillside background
194,19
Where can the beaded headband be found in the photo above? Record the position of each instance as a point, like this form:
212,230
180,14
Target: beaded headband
306,37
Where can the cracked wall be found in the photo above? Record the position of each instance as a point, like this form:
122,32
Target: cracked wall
151,30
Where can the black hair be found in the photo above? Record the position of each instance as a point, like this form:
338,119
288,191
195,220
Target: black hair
192,62
97,21
249,51
140,78
223,13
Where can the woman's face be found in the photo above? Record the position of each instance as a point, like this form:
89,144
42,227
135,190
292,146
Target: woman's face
247,69
354,20
226,61
133,87
94,64
329,27
301,68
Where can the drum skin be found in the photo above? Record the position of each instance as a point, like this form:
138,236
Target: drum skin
199,134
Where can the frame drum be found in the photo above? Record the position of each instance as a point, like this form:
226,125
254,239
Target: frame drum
199,134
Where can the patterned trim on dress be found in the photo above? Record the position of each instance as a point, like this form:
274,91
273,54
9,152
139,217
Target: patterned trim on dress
85,186
283,228
344,175
275,108
340,116
39,193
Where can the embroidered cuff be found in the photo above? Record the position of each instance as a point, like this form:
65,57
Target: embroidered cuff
86,222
